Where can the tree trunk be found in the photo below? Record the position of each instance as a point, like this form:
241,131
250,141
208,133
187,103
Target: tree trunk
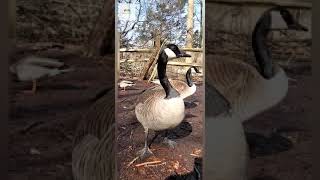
12,19
152,59
101,38
190,23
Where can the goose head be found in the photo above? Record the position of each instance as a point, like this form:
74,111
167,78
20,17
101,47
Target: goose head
172,52
281,18
188,75
274,18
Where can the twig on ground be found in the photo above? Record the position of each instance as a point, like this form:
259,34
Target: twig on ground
148,163
195,155
154,165
134,160
31,126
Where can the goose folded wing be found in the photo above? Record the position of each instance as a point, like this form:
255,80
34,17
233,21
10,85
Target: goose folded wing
43,62
232,78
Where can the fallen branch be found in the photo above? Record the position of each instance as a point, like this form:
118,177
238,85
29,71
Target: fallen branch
147,163
134,160
153,165
195,155
31,126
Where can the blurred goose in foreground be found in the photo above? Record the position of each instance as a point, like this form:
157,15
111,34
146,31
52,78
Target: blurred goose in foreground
93,154
123,84
237,91
252,90
32,68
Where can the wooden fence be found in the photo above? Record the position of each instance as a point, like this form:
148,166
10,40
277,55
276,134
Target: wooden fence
132,62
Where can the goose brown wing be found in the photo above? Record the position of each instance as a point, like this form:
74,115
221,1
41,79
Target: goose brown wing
179,85
152,93
233,79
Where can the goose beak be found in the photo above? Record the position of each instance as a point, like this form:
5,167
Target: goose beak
183,54
298,27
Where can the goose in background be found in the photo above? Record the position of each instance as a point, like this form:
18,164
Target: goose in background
32,68
161,108
123,84
248,89
185,89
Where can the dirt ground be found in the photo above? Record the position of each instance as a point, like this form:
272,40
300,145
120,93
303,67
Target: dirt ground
42,125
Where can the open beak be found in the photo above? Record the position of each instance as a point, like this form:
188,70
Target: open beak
298,27
183,54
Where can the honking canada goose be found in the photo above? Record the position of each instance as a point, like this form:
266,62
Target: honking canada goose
251,90
32,68
185,89
123,84
161,109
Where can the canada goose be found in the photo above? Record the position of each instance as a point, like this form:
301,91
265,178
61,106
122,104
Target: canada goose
123,84
251,90
157,108
185,89
93,155
32,68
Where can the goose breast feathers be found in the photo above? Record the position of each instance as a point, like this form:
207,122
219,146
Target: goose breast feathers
155,112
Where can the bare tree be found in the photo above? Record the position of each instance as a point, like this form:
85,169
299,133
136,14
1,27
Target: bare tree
190,23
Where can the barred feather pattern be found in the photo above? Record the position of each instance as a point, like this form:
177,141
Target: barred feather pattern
242,85
157,113
183,88
93,156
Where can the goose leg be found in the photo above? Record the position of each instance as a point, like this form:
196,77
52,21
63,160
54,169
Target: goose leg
145,152
34,86
33,90
169,142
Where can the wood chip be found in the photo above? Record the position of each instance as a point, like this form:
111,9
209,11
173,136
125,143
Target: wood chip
176,165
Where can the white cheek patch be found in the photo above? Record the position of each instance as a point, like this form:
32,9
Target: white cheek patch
170,53
277,21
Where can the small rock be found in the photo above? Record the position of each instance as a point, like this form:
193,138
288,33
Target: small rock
34,151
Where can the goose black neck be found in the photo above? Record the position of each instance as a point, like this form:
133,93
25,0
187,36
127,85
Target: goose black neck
260,49
188,77
164,81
